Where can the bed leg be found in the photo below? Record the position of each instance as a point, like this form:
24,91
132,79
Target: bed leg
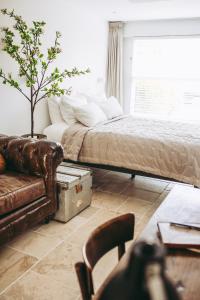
132,176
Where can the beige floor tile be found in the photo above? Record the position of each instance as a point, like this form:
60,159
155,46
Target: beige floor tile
170,186
104,266
149,184
99,180
150,211
148,214
99,175
59,264
113,182
118,176
81,235
131,191
36,286
102,216
161,198
88,212
12,265
99,172
134,205
107,200
34,244
63,230
115,187
103,182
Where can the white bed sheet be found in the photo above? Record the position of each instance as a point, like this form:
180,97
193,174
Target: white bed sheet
55,131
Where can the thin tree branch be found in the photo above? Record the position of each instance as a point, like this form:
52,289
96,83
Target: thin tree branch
18,88
39,88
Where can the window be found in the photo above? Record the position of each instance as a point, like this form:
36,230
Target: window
166,77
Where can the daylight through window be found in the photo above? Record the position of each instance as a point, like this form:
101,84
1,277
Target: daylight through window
166,77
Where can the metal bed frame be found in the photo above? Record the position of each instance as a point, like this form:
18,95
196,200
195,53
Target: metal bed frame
133,173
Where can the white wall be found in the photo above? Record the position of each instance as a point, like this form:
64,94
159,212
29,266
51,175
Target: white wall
84,44
156,28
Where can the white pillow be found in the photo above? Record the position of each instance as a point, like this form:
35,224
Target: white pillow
111,108
54,109
89,114
67,105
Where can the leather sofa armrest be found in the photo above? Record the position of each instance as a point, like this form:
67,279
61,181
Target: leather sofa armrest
42,157
37,157
31,156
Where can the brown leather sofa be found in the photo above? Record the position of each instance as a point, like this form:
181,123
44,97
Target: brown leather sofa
28,186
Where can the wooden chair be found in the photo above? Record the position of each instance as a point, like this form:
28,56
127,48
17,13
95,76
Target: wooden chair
113,233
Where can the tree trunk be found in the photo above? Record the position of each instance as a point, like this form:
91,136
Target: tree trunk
32,120
32,114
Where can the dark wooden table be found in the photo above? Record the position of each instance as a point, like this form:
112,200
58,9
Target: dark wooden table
183,266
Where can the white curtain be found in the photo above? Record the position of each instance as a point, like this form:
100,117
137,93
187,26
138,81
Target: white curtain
114,61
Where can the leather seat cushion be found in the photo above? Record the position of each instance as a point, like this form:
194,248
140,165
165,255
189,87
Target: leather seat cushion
17,190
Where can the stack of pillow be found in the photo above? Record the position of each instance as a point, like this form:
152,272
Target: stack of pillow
88,110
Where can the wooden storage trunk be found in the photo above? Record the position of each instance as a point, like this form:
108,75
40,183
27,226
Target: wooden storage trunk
74,190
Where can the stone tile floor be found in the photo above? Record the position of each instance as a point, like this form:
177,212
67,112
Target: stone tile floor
40,263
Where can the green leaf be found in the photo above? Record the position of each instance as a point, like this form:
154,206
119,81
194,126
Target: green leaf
23,44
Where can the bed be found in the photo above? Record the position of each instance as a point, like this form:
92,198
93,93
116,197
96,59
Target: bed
157,148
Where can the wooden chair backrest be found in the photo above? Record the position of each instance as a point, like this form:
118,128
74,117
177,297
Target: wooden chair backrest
114,233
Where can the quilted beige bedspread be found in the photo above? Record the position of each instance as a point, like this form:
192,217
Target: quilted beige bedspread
168,149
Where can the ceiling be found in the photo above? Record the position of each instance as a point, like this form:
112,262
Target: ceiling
130,10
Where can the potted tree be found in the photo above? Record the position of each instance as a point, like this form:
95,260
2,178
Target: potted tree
33,64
